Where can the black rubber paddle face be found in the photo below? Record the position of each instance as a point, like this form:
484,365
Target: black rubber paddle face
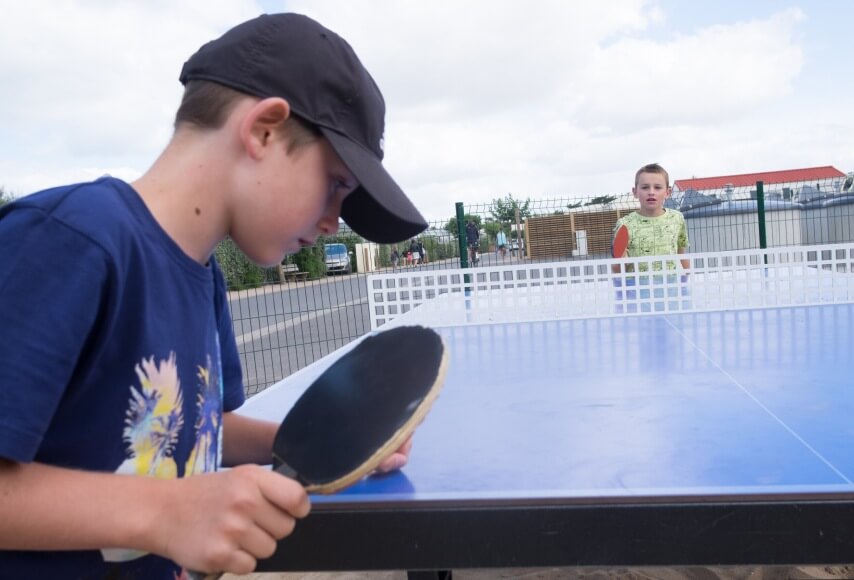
357,405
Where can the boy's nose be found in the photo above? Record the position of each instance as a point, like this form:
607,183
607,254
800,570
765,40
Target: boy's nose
328,224
328,229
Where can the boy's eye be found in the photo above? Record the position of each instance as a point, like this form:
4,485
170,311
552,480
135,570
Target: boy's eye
336,186
340,185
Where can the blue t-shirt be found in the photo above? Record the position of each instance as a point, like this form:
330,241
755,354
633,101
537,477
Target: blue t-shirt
117,354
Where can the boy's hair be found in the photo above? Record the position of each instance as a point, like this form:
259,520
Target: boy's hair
653,168
206,105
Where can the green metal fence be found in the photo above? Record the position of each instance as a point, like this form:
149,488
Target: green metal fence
285,318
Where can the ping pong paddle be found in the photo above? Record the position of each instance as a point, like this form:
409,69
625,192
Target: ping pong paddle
621,242
360,410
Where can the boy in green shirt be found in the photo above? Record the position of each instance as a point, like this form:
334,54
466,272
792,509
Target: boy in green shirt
653,229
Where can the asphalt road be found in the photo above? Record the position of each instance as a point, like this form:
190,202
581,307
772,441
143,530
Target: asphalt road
282,328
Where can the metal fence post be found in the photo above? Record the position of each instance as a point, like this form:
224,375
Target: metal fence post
760,209
461,235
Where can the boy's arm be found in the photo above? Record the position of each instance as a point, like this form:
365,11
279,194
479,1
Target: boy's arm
214,522
682,242
248,440
685,263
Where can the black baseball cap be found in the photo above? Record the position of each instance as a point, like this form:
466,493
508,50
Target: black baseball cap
293,57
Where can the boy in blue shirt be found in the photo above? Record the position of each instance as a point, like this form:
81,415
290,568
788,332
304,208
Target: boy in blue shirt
119,372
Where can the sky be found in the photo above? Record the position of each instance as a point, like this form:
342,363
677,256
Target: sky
540,100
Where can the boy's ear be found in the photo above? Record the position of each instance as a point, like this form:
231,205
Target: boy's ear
262,124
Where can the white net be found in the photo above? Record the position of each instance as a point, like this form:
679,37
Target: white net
777,277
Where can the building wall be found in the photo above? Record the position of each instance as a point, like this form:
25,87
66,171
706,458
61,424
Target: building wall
828,225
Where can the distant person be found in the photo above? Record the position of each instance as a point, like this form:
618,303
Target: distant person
119,376
472,240
501,242
395,258
416,251
423,251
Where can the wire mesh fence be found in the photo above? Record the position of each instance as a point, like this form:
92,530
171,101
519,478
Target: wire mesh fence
318,300
287,317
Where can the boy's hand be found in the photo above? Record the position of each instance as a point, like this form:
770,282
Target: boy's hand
397,459
226,521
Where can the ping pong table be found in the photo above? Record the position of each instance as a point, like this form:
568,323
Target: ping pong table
679,436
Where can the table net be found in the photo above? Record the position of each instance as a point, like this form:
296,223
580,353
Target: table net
522,292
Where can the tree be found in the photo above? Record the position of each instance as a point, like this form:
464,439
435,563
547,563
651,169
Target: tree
492,227
504,210
5,196
601,200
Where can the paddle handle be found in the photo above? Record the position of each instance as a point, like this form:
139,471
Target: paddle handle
288,471
203,576
283,469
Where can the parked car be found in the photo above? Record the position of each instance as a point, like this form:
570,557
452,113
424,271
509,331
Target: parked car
337,259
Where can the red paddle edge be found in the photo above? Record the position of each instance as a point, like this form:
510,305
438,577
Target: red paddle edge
621,242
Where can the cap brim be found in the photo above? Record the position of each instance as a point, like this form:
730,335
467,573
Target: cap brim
377,210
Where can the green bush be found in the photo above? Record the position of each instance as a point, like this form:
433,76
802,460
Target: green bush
384,256
311,260
437,250
239,271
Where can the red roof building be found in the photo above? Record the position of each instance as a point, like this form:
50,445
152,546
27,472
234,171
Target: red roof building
810,174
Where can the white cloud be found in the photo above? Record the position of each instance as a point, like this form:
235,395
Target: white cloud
94,83
560,99
476,57
720,73
548,99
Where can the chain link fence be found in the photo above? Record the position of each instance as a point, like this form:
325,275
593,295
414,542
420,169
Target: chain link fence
317,301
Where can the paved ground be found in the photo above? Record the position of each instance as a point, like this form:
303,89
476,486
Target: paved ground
722,573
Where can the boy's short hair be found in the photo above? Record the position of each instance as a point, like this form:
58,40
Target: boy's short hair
206,105
292,57
653,168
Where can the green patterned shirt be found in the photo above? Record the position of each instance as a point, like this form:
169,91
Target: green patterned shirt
655,236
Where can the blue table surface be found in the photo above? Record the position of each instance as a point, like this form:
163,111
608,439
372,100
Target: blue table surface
751,402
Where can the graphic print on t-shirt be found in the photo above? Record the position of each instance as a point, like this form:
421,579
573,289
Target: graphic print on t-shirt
154,421
207,452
